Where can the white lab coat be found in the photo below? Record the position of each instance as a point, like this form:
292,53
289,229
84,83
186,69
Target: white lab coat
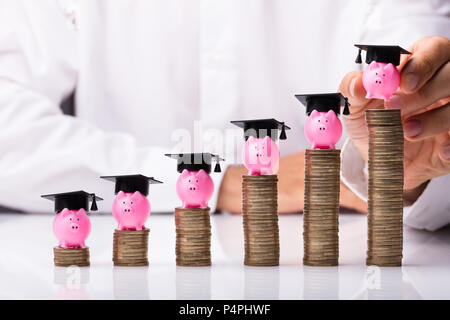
147,72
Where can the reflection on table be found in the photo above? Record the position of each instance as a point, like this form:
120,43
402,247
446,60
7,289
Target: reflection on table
27,270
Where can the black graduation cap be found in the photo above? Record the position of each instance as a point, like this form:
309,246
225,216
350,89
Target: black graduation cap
261,128
387,54
131,183
74,200
323,102
196,161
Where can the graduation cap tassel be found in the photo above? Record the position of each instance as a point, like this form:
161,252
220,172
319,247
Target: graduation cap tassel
94,203
346,109
283,132
217,167
358,57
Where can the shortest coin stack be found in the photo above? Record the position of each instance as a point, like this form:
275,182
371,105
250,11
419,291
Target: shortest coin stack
65,257
130,248
260,218
193,244
321,211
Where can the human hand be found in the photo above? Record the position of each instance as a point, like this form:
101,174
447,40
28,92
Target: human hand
424,100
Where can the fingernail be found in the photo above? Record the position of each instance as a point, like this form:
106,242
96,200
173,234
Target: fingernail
412,127
352,87
395,102
410,81
446,151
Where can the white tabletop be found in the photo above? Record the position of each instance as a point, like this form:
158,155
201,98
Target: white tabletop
27,271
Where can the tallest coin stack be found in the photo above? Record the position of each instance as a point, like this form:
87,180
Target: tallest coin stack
385,194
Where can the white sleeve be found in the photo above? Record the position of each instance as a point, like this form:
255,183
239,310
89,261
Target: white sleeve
43,151
403,22
430,211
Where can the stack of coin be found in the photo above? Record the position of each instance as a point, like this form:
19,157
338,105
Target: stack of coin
130,248
321,210
385,194
65,257
193,229
260,217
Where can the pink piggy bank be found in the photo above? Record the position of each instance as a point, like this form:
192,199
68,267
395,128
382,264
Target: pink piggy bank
195,188
261,156
380,80
71,227
323,129
131,210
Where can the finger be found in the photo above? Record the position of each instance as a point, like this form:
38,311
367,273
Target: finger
444,152
429,54
438,87
428,124
352,88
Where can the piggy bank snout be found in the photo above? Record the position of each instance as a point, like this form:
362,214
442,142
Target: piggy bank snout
260,152
320,127
126,207
192,187
378,80
74,226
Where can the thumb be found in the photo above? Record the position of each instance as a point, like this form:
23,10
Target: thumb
429,54
352,88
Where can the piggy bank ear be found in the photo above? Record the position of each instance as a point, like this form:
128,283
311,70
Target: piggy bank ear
389,69
314,113
136,196
64,212
201,173
184,173
330,115
251,139
373,65
80,212
120,194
